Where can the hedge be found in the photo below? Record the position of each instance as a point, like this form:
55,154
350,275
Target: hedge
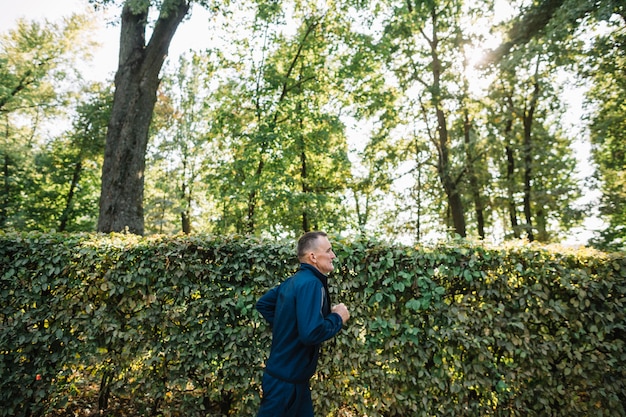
168,326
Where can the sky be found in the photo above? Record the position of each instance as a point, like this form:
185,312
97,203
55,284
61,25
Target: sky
195,34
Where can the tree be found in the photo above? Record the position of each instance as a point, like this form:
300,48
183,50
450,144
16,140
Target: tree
36,59
180,147
421,43
38,79
533,155
84,151
284,158
608,126
136,84
62,181
563,15
567,24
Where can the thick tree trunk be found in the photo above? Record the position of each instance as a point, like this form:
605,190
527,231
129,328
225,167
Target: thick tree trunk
136,84
456,208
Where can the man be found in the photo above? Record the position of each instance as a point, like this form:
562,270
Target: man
301,317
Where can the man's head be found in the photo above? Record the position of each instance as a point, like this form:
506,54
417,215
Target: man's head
314,249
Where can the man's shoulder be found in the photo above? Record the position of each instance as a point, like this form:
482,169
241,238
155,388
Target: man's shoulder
305,277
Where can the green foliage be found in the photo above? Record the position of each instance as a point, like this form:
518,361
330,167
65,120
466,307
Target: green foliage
536,189
284,159
608,63
37,59
177,154
169,325
361,116
38,78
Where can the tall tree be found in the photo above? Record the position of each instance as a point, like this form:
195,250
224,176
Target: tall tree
533,155
607,70
179,146
86,144
286,159
136,84
61,184
502,125
38,78
425,57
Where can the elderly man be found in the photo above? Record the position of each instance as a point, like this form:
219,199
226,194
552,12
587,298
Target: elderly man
299,311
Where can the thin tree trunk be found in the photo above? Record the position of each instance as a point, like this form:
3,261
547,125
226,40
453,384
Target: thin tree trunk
510,171
528,157
450,185
527,149
69,200
7,189
305,189
473,179
185,213
265,145
252,195
419,188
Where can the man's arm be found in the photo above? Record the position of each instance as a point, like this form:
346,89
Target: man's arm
313,327
266,305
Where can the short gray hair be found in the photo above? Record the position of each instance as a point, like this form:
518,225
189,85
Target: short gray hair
307,242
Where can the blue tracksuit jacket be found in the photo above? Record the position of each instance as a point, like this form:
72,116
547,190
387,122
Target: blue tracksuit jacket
299,312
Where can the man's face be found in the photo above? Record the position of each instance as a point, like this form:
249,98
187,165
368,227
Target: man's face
323,255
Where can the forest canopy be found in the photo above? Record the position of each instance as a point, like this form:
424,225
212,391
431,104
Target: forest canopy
401,120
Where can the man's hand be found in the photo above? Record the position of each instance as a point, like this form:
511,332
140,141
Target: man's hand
342,310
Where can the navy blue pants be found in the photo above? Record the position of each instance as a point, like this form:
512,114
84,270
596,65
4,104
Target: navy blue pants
284,399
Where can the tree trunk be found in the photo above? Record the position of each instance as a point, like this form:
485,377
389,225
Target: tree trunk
473,179
185,213
450,186
4,204
527,148
528,157
69,200
510,170
541,223
305,189
444,167
136,84
252,195
418,188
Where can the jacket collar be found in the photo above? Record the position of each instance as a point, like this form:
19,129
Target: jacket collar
316,272
324,279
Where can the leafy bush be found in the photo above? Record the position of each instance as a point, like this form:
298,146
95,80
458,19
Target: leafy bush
168,324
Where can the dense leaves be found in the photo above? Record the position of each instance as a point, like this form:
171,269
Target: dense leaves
608,65
38,79
358,117
167,325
